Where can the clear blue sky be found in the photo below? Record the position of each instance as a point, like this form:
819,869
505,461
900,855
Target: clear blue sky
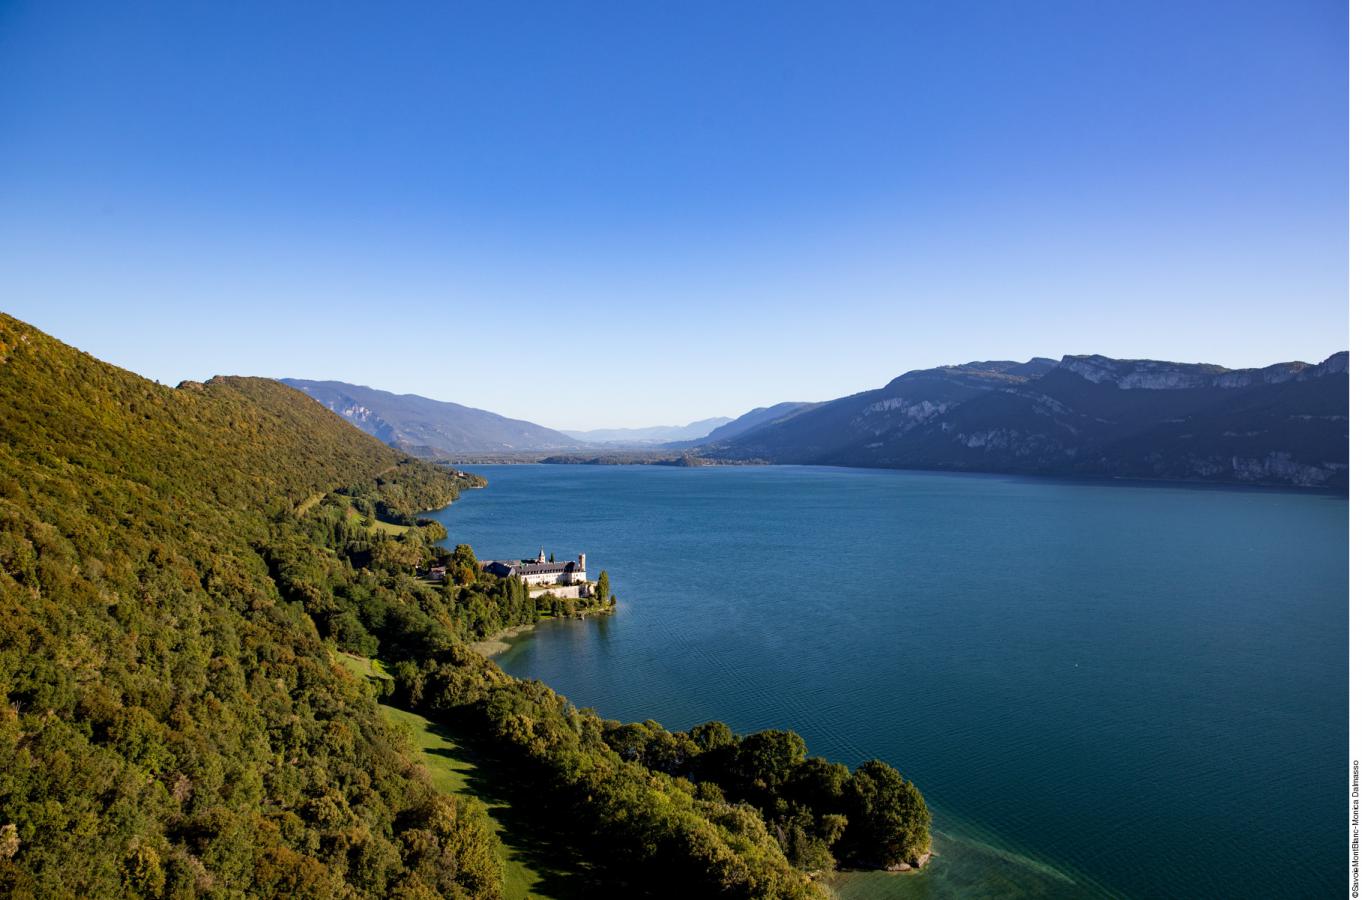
609,214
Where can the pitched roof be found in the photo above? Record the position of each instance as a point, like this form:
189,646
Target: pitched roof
522,567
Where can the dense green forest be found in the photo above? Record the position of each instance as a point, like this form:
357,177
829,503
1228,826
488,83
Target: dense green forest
175,565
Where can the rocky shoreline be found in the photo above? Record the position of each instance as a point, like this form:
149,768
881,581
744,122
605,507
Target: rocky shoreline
912,863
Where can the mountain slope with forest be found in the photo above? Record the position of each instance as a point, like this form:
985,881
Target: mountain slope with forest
1084,415
172,726
431,428
179,568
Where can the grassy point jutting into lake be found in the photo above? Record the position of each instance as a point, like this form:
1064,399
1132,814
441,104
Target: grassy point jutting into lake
708,451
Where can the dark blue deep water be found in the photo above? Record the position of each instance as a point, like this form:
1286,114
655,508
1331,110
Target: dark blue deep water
1100,688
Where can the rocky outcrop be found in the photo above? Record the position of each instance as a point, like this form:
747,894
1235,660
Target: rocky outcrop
917,860
1275,468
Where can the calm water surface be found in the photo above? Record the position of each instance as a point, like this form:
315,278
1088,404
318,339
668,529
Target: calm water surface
1100,688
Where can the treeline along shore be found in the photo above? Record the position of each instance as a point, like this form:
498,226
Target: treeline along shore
177,568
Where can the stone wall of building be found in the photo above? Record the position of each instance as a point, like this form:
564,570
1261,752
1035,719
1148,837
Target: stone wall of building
554,578
583,589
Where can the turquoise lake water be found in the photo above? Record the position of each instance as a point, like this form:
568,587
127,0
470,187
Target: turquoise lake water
1100,688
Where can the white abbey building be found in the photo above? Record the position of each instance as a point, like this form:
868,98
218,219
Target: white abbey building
563,579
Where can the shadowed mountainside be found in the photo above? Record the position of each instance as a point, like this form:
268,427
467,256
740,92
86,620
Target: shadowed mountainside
1084,415
755,418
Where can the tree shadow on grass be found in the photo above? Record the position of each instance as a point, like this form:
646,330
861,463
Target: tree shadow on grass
539,839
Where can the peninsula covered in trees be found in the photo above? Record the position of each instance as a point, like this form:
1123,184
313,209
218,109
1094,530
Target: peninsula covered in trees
178,567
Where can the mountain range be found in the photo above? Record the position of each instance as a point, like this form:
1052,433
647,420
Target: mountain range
654,434
424,427
731,428
437,428
1081,415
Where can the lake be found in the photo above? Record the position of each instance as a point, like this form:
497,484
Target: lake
1100,688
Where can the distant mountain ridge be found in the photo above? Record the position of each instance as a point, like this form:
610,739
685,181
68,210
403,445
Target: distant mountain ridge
654,434
430,428
1152,375
731,428
1091,415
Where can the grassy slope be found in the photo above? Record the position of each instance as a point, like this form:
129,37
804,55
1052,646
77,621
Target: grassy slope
353,516
362,667
454,768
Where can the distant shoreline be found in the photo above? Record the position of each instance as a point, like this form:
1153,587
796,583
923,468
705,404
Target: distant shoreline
672,462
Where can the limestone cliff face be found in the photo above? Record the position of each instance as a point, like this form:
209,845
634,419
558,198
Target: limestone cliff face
352,411
1148,374
1092,415
1275,467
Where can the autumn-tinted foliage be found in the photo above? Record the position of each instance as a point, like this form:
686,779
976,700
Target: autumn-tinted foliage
171,725
821,813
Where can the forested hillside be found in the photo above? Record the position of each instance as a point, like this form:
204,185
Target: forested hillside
177,569
172,726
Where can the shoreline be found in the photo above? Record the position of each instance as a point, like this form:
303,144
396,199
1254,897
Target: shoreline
1061,478
496,643
954,852
560,656
972,854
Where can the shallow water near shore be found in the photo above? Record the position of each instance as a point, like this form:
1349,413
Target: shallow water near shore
1100,688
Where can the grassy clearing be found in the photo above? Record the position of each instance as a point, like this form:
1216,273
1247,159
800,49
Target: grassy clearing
538,866
538,860
352,515
309,503
362,666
